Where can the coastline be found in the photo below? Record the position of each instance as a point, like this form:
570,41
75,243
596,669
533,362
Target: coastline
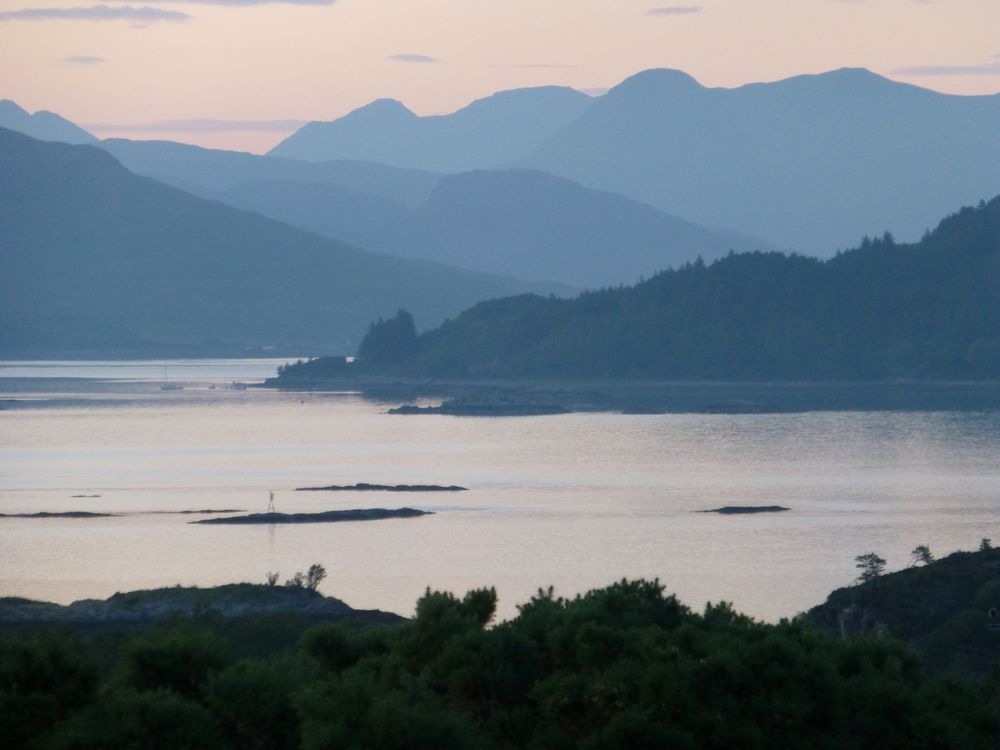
472,397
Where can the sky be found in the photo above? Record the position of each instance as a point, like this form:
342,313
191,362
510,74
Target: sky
244,74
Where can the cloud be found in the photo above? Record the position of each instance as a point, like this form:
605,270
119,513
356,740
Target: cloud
201,126
674,10
412,58
595,90
82,60
986,69
236,3
140,15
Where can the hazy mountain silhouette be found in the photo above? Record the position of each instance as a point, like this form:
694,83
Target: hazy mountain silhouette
552,228
883,310
519,222
45,126
95,257
197,169
370,221
810,163
486,133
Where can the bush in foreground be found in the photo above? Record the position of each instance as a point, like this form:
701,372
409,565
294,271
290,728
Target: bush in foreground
626,666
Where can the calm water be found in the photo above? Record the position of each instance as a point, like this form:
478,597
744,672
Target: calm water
575,501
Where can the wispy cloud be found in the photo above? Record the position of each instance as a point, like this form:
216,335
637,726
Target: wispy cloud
986,69
200,126
236,3
674,10
409,57
82,60
140,15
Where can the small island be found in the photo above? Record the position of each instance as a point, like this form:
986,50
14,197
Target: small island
735,510
490,403
66,514
330,516
365,487
94,514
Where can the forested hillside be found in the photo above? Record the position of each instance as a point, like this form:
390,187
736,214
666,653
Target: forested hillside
880,311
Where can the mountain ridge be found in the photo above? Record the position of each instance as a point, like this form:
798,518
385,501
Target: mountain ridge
486,132
97,258
43,125
809,162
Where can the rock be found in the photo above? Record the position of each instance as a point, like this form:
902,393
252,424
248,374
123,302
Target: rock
734,510
330,516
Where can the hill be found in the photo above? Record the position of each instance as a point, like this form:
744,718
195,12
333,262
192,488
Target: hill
96,258
513,222
486,133
45,126
156,605
810,163
880,311
205,170
940,609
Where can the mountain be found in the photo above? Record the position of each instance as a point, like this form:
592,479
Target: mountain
374,222
97,258
45,126
809,163
880,311
511,222
206,170
486,133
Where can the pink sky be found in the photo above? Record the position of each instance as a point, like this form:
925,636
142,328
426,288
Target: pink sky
138,65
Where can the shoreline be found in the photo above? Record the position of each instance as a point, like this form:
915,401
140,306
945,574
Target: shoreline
528,397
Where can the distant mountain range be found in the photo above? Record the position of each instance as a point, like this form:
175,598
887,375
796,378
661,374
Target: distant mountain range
488,132
880,311
810,163
513,222
45,126
95,258
518,223
199,169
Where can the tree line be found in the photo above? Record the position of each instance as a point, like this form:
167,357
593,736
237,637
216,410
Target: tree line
626,666
883,310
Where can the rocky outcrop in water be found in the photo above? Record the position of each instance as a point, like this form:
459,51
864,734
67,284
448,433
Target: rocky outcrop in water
735,510
365,487
330,516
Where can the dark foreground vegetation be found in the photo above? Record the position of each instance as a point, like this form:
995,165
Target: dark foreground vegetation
622,667
940,607
929,310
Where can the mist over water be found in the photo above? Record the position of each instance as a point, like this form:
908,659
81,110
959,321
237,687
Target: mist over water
573,501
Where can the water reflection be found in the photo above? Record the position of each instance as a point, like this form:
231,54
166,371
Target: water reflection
575,500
